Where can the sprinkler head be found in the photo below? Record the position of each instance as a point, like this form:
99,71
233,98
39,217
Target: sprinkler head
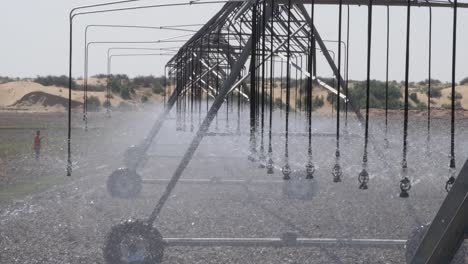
449,184
269,166
451,180
363,179
405,186
251,157
262,160
310,170
69,170
286,172
337,172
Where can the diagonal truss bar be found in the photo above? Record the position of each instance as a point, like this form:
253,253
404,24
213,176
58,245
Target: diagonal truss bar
449,227
203,129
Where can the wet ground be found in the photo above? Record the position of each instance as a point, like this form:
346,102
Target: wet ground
68,222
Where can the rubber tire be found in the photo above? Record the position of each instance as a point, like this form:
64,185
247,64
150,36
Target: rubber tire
118,233
416,237
128,177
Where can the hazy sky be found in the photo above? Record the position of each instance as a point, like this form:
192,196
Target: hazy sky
35,38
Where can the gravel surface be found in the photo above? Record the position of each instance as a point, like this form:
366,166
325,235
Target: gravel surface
68,223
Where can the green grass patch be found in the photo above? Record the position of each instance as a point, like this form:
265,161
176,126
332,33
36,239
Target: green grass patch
13,148
23,189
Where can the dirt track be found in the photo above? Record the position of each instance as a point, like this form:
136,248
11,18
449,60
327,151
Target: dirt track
68,222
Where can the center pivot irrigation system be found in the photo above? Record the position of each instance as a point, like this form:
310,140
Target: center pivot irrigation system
233,59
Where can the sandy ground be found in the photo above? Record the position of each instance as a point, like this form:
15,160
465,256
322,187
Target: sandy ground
68,223
13,92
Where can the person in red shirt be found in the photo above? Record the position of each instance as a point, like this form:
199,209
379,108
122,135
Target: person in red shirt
37,144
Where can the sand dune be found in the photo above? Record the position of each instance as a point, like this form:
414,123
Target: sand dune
12,92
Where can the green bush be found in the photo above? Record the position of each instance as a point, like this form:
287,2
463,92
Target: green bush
279,103
125,93
144,99
464,81
357,94
414,97
93,104
458,96
458,105
114,85
107,104
124,106
317,102
158,89
60,81
436,92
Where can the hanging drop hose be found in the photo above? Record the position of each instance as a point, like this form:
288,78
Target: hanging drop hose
405,183
217,72
295,93
287,168
192,89
364,175
178,84
200,70
186,99
253,66
85,99
386,78
452,166
209,72
272,72
262,157
337,171
281,88
310,168
300,88
227,74
347,71
165,86
429,80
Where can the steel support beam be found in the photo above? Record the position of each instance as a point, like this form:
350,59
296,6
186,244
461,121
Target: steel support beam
283,242
448,229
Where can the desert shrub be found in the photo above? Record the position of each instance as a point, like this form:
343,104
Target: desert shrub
464,81
421,106
125,93
107,104
92,88
124,106
357,94
100,76
317,102
458,96
279,103
158,89
60,81
414,97
114,85
449,106
436,93
93,104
